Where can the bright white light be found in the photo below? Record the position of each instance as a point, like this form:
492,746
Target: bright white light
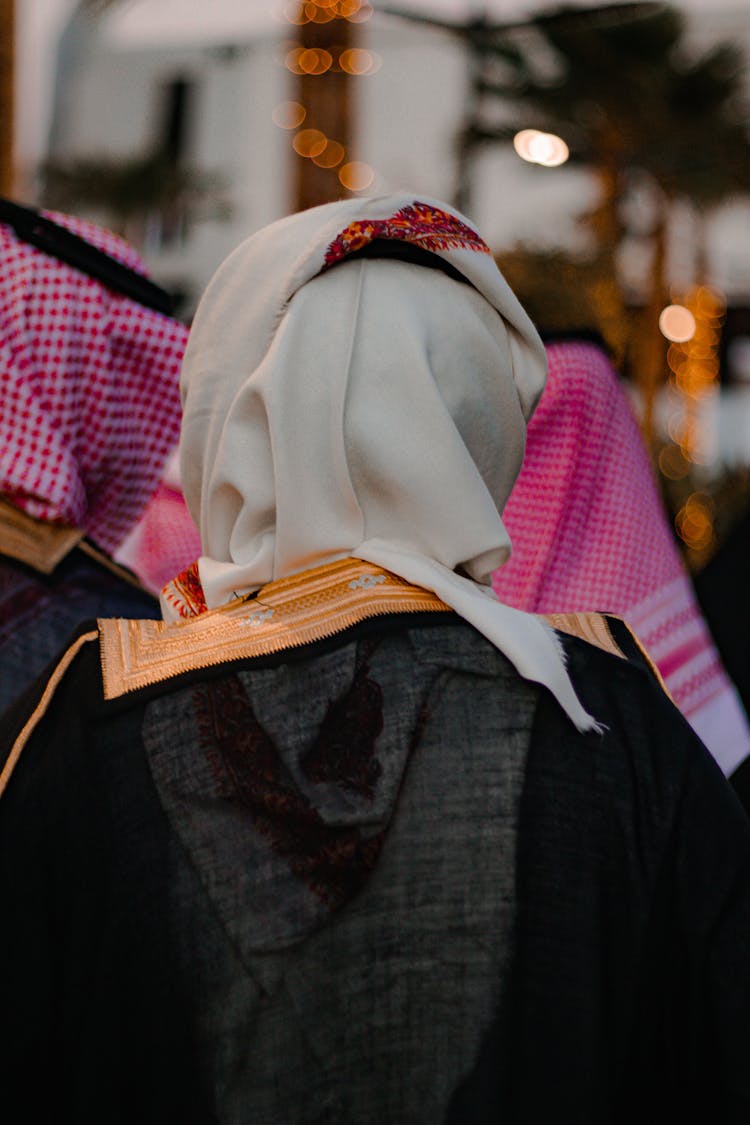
677,323
541,148
522,141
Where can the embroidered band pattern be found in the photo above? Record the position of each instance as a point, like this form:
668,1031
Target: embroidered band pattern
285,614
418,223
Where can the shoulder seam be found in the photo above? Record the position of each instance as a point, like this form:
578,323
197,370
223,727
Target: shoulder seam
39,711
590,627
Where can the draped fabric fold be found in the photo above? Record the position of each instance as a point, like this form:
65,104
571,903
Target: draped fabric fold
365,408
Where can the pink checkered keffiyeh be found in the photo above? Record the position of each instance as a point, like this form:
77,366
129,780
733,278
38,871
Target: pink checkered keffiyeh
89,395
589,533
164,541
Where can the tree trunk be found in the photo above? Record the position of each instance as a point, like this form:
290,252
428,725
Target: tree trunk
328,100
606,225
702,267
652,350
7,95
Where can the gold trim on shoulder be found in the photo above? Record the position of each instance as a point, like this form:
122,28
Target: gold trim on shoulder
591,627
39,711
36,543
285,614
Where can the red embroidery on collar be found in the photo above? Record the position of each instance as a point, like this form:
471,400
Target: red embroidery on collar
424,226
185,592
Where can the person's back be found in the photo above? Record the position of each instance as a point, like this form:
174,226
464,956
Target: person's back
345,839
376,877
40,608
89,410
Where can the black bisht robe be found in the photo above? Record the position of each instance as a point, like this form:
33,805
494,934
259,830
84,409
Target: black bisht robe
375,878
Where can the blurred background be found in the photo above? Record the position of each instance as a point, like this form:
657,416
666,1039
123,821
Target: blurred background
604,151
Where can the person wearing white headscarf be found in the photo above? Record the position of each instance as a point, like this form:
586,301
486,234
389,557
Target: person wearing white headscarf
344,838
364,415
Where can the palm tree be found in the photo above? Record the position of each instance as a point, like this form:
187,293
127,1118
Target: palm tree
554,66
698,151
618,85
592,75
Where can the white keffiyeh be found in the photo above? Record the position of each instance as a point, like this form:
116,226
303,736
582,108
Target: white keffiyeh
366,408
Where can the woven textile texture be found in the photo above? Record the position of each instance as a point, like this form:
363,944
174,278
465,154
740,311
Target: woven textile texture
589,533
89,396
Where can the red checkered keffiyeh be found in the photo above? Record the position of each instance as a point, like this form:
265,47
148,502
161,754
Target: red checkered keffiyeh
89,395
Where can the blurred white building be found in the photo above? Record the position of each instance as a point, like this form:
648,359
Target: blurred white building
204,82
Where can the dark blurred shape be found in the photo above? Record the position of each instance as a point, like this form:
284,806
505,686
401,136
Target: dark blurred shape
724,593
178,95
566,293
7,94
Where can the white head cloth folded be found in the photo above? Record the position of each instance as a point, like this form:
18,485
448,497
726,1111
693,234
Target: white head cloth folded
374,410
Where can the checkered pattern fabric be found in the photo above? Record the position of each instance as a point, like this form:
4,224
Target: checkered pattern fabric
164,541
586,521
89,395
589,533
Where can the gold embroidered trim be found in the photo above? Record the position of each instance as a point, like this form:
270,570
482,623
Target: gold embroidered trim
591,627
37,543
41,707
286,614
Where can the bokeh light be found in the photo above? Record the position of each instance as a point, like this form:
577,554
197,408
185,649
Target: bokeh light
320,13
677,323
358,61
356,175
331,156
309,142
289,115
673,463
323,11
694,522
308,60
354,10
536,147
